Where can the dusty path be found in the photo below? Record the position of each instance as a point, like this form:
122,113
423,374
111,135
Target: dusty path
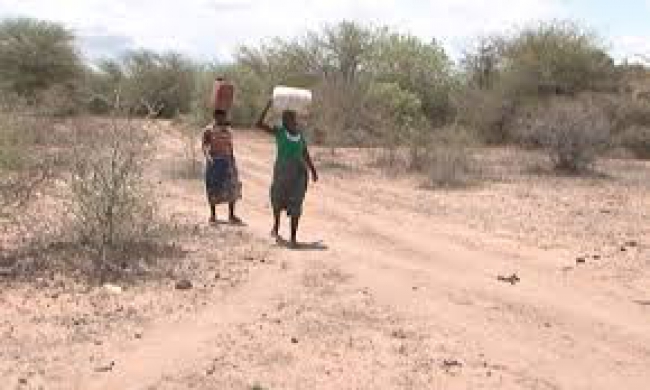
397,299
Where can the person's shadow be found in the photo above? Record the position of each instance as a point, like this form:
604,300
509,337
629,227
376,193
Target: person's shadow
220,222
302,246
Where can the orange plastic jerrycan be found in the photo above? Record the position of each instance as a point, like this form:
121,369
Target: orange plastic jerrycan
223,95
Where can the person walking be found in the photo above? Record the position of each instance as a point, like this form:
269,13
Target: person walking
221,175
290,172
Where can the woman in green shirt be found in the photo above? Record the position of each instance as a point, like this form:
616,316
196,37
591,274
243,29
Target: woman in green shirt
290,176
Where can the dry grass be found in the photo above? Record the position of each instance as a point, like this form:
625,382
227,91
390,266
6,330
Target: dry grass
449,158
636,139
30,154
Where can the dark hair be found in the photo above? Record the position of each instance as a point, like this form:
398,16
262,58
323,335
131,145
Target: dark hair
286,114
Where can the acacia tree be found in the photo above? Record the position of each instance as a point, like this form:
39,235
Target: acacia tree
158,84
36,55
148,83
557,57
341,63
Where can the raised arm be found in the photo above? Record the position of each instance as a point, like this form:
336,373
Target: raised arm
261,122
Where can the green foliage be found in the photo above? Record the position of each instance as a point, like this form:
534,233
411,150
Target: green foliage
352,68
481,62
103,83
399,120
347,47
251,93
503,74
160,84
403,106
556,57
421,68
36,55
147,83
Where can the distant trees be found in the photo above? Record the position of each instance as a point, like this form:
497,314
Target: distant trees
422,68
352,68
558,57
504,73
35,56
148,83
373,85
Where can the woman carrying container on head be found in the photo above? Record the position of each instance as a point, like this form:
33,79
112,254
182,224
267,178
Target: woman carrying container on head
221,175
290,173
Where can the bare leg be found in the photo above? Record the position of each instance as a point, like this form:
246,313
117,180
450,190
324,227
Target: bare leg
213,213
295,221
233,218
275,232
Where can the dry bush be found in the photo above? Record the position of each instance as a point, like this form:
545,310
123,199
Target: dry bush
190,166
28,156
489,112
450,161
59,101
631,112
113,208
340,117
636,139
391,139
573,133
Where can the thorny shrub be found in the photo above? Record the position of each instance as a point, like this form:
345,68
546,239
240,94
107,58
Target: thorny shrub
113,208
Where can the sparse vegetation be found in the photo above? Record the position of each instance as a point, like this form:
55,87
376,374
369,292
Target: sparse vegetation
549,85
574,134
449,159
113,208
637,140
444,213
148,84
504,74
27,159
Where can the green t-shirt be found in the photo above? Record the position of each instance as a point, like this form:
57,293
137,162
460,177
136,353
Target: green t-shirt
289,146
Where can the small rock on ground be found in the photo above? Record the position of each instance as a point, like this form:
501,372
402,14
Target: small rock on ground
183,285
512,279
105,368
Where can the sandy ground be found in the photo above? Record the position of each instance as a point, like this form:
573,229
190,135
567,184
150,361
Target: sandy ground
398,288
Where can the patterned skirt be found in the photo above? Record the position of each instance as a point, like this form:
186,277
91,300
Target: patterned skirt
222,181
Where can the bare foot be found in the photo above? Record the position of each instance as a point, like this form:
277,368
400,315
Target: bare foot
234,220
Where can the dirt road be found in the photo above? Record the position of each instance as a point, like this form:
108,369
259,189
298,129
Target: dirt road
388,296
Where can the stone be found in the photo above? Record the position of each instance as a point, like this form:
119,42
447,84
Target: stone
184,285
